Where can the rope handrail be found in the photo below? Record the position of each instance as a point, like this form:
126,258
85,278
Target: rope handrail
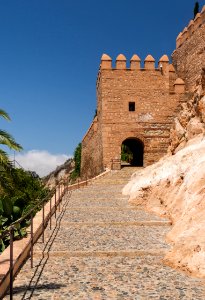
59,191
24,217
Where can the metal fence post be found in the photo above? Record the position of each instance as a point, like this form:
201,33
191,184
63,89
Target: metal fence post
9,233
31,240
43,223
59,197
50,212
55,201
11,262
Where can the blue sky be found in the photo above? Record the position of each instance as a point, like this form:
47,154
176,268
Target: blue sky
50,54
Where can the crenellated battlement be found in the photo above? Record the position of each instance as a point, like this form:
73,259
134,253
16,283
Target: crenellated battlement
135,63
191,28
163,68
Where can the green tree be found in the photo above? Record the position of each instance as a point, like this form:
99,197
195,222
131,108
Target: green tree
20,191
196,8
126,154
22,188
96,113
7,140
77,160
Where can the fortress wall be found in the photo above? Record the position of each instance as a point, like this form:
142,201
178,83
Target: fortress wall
189,56
156,93
150,122
91,156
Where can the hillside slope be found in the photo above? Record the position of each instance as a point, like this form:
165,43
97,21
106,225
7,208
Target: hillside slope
61,172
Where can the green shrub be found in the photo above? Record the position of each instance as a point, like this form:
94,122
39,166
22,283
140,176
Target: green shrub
196,9
20,192
126,154
77,159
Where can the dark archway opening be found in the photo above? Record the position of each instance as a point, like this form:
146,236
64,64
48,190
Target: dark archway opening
132,152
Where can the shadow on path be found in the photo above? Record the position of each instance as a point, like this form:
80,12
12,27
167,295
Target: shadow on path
33,284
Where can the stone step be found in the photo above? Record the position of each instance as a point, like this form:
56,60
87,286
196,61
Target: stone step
108,215
112,188
112,182
107,237
139,223
105,208
100,248
105,278
98,195
97,202
102,254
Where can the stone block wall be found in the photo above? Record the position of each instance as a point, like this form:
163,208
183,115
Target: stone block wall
155,107
189,56
91,156
156,95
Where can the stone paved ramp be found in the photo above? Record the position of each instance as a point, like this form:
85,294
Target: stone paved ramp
103,249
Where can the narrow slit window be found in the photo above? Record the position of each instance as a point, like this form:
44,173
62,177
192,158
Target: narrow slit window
131,106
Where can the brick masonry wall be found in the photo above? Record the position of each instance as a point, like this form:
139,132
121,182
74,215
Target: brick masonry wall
91,157
189,58
156,105
150,122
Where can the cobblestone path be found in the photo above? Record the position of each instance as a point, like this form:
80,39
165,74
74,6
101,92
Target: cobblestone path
103,249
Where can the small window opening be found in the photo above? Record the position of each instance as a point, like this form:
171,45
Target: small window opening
131,106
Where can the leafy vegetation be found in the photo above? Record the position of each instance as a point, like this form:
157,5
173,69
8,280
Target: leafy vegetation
95,114
126,154
7,140
20,190
77,159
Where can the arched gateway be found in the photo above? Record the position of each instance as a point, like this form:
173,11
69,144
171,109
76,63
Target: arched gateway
132,152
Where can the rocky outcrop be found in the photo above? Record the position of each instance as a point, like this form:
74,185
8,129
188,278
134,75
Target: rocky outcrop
190,121
175,186
61,172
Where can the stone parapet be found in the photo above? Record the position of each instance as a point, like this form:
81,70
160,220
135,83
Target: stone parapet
191,28
135,63
189,57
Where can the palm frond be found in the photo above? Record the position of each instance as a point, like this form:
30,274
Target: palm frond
7,140
4,159
4,115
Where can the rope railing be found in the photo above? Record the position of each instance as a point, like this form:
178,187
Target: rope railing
58,192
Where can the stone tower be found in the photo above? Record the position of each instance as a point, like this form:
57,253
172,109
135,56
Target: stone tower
136,105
